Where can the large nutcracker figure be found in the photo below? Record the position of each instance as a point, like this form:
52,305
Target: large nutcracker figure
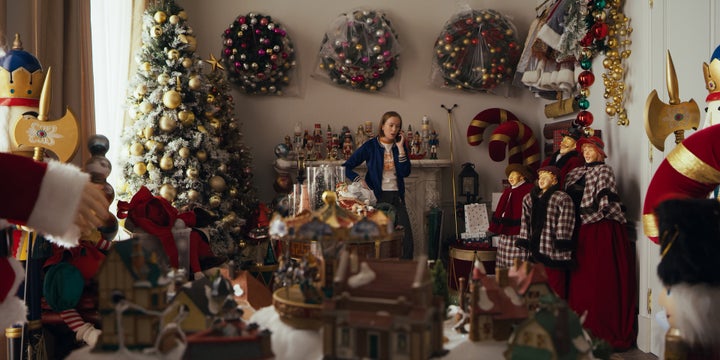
26,130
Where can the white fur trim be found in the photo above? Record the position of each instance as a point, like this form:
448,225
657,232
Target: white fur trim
13,310
58,202
549,36
4,131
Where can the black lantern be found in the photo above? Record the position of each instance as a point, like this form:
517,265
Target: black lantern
469,182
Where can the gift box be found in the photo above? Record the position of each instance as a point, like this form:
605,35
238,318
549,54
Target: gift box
476,218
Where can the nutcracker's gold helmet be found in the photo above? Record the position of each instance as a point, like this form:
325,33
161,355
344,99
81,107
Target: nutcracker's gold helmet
21,77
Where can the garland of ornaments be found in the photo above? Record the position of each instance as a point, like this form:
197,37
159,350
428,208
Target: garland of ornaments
361,51
608,31
477,50
258,54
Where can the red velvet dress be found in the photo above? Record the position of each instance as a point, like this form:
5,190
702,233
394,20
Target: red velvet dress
604,282
506,222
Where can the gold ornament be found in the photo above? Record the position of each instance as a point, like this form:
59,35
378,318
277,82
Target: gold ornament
202,129
217,183
151,145
193,195
192,43
187,63
214,63
141,90
222,168
166,163
173,54
172,99
140,169
201,155
194,82
151,167
230,218
160,17
137,149
145,107
146,67
210,98
233,192
215,123
192,173
215,201
183,15
148,132
186,117
167,123
184,152
168,192
163,79
174,19
156,31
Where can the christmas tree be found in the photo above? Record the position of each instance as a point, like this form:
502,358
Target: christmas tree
185,143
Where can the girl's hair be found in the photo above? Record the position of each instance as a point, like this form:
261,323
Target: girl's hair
385,118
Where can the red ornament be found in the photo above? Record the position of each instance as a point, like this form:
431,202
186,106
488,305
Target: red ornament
586,78
600,30
587,40
584,118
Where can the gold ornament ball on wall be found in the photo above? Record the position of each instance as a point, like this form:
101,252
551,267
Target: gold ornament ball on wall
168,192
148,132
145,107
172,99
184,152
183,15
140,169
187,63
137,149
141,90
174,19
192,43
166,163
233,192
217,183
151,167
167,123
160,17
192,173
173,54
156,31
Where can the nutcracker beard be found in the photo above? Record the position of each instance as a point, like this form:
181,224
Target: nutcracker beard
9,116
4,129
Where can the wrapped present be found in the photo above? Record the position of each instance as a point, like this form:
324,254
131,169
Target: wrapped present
476,218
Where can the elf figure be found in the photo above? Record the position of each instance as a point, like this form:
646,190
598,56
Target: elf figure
711,73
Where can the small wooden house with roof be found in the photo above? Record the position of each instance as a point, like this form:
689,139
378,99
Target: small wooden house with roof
553,332
382,309
130,273
531,282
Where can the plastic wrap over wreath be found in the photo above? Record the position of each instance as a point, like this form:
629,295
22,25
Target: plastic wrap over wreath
477,50
359,51
258,55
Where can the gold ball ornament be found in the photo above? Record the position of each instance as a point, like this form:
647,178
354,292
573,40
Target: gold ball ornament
186,117
163,79
173,54
222,168
172,99
192,43
192,173
145,107
201,155
194,82
174,19
151,167
187,63
230,218
233,192
182,14
215,201
193,195
202,129
167,123
141,90
184,152
137,149
156,31
140,169
168,192
217,183
160,17
166,163
148,132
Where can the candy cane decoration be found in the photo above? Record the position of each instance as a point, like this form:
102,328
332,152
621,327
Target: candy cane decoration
484,119
522,146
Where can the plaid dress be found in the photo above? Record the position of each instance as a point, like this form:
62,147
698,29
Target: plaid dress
507,252
553,245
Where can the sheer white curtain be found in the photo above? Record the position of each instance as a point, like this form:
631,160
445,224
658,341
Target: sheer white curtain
111,32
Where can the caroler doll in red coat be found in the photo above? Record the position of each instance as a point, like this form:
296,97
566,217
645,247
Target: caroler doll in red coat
603,284
506,218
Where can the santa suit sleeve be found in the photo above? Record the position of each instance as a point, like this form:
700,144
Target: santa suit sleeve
43,196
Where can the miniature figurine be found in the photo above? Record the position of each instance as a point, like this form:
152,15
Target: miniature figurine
416,146
566,157
347,148
434,143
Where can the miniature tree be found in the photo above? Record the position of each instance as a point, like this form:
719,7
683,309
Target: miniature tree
440,285
185,144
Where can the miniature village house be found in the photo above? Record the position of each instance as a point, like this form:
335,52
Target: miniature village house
530,281
388,316
130,273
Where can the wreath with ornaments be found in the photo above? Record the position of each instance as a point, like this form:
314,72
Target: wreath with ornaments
258,54
360,51
476,50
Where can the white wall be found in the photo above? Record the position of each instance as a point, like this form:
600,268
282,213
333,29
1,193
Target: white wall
268,119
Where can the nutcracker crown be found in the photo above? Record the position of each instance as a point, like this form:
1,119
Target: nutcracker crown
21,77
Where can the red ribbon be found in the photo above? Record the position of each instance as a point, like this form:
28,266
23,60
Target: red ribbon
156,216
